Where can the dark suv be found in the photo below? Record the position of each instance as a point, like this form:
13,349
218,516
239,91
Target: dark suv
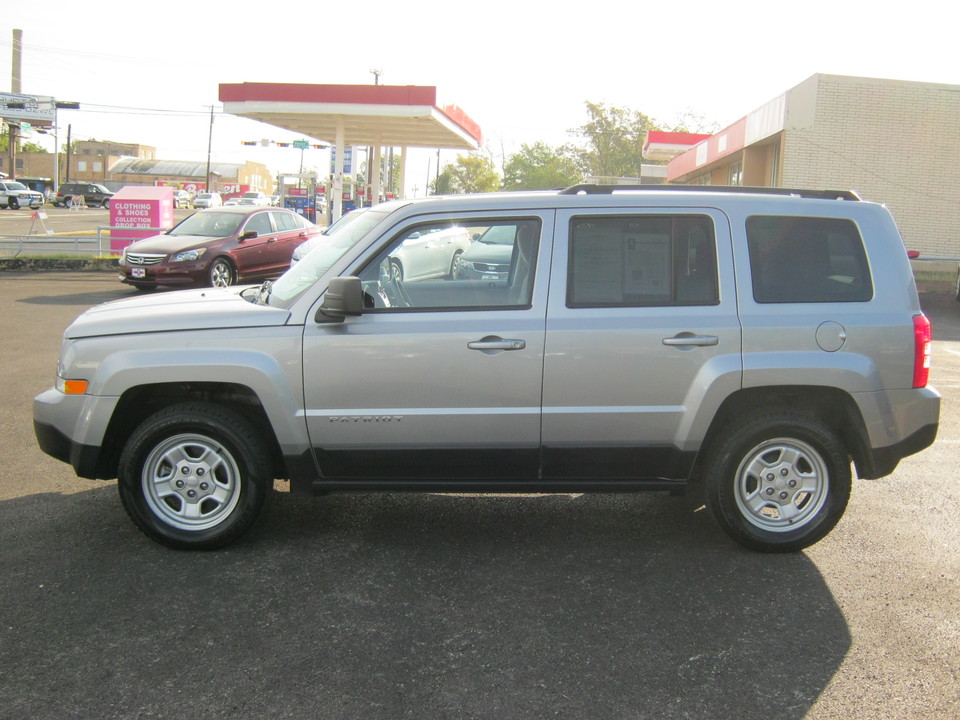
93,195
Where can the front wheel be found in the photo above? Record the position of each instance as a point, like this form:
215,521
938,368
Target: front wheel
778,483
221,273
194,476
14,204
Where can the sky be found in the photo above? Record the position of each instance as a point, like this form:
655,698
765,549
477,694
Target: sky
522,70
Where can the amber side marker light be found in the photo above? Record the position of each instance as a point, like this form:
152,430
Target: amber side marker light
72,387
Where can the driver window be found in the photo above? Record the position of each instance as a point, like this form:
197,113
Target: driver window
259,223
451,266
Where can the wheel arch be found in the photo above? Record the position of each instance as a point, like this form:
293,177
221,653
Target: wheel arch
831,406
138,403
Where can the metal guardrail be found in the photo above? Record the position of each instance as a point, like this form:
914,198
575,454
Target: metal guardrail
12,246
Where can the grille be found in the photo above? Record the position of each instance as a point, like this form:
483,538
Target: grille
488,267
141,259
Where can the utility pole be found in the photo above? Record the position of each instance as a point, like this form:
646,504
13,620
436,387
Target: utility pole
209,149
15,89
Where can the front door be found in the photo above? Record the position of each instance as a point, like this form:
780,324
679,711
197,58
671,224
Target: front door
438,384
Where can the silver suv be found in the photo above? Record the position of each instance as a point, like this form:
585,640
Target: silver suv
751,344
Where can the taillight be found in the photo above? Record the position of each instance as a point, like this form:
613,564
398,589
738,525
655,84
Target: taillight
922,338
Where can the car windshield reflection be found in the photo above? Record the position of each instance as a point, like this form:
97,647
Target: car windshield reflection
209,224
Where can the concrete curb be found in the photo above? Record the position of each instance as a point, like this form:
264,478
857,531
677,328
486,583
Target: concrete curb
31,264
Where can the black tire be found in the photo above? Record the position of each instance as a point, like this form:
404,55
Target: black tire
13,204
220,273
105,204
958,285
454,273
777,482
194,476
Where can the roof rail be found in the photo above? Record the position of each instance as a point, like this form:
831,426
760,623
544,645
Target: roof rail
591,189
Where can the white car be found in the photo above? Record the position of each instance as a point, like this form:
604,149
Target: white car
255,198
207,200
15,195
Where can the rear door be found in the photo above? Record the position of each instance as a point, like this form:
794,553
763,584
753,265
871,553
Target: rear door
643,341
291,230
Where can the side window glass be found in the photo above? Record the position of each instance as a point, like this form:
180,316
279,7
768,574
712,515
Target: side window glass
637,261
452,266
803,260
260,223
284,221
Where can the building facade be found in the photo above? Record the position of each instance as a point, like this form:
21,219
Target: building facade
893,142
116,164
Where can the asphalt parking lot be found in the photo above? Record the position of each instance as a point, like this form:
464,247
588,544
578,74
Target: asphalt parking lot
430,606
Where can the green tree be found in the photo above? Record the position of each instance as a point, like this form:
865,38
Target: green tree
614,140
472,173
540,167
22,146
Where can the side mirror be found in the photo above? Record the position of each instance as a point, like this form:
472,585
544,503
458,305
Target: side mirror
248,235
344,296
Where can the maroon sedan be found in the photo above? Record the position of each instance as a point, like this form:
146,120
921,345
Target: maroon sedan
218,247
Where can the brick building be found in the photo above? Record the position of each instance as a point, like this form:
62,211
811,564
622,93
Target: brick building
118,164
892,141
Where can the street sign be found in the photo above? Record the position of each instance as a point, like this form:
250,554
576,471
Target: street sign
301,144
40,109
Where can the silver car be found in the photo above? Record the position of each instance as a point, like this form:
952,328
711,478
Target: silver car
746,346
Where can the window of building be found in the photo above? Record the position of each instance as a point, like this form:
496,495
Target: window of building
641,261
803,260
735,174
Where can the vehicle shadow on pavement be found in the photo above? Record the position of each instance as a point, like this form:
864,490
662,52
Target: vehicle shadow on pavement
414,605
84,300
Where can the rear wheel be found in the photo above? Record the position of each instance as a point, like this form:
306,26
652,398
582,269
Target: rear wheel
194,476
778,482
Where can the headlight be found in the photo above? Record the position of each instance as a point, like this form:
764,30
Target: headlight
188,255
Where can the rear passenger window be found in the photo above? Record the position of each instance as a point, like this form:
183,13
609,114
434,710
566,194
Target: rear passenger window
642,261
804,260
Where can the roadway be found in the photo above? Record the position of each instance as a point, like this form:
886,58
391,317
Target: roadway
430,606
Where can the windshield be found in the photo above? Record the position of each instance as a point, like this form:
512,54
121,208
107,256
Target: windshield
499,235
210,224
329,248
16,186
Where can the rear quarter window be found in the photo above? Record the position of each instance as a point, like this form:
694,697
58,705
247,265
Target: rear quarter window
807,260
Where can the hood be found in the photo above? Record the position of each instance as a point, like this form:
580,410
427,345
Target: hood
488,252
200,309
166,244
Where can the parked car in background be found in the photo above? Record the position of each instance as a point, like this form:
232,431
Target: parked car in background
218,247
490,255
433,252
93,194
181,199
231,201
305,247
15,195
207,200
258,198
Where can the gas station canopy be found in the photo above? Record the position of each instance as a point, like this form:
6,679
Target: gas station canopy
378,115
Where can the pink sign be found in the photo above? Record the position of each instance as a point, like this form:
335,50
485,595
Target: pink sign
137,212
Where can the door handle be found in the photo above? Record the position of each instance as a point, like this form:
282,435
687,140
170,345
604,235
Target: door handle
691,340
492,343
